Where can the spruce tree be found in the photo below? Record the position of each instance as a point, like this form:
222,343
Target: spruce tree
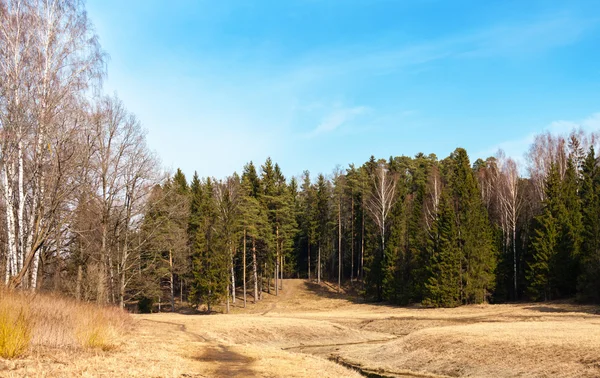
255,223
566,264
588,285
545,241
323,222
443,286
475,240
210,262
308,223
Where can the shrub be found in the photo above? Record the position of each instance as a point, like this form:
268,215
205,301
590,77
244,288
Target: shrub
41,320
145,305
15,329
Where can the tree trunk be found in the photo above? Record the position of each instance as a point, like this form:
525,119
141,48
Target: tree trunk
362,248
255,270
21,208
79,281
268,279
340,245
352,240
514,244
227,307
319,265
101,288
171,279
276,260
308,242
262,281
281,270
10,223
209,301
112,279
232,277
34,270
244,263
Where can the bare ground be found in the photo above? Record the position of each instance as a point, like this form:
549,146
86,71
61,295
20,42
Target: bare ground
310,330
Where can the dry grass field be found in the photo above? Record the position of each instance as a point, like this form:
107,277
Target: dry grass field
310,330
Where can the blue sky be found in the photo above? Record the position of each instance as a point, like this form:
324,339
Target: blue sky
314,84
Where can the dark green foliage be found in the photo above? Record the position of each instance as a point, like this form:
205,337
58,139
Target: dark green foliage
443,287
442,243
545,241
566,266
554,267
145,305
475,241
208,246
589,280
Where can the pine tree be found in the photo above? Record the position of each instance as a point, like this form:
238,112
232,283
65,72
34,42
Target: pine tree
308,222
566,264
545,241
210,262
181,265
254,222
443,287
323,221
284,222
588,286
475,239
353,192
180,183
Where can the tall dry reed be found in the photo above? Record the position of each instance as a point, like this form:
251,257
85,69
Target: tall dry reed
37,320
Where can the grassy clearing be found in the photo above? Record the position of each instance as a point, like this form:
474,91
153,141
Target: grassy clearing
307,327
29,322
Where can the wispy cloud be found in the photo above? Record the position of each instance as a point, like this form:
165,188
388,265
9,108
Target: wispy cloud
517,148
589,124
507,40
336,119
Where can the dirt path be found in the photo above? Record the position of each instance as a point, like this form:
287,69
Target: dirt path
289,291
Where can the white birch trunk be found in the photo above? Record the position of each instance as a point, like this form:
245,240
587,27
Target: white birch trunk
10,222
21,209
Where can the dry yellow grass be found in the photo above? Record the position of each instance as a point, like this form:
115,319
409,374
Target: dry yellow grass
297,333
15,330
46,321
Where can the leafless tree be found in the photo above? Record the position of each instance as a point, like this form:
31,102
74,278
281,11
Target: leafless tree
228,199
545,150
382,198
510,199
49,58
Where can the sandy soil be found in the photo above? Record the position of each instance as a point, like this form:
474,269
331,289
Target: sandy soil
311,330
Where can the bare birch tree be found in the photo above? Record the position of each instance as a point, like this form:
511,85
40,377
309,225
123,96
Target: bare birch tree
510,200
49,58
382,198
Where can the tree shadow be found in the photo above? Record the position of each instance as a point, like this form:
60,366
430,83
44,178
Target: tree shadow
329,291
562,307
231,364
350,292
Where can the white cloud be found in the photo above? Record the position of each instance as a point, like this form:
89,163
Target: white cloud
335,119
517,148
589,124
